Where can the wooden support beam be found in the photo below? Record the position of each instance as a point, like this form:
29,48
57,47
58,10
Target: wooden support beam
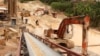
12,8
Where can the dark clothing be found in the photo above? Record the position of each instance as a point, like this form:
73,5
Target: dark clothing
54,15
37,22
26,20
13,21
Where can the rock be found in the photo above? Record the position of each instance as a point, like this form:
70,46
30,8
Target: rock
2,42
8,54
1,47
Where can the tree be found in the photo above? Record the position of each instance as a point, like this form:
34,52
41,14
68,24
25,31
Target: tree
25,0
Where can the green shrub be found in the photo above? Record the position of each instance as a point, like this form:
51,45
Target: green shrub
25,0
51,1
48,1
95,21
61,6
78,8
82,8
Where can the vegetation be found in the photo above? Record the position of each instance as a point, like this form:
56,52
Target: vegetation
79,8
50,1
25,0
61,6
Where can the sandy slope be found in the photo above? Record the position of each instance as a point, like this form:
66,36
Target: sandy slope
47,21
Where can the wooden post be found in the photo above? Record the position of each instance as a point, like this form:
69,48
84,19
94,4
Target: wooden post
85,39
5,1
12,8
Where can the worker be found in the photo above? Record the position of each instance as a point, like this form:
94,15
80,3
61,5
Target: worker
37,22
6,34
54,14
26,20
46,12
22,14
